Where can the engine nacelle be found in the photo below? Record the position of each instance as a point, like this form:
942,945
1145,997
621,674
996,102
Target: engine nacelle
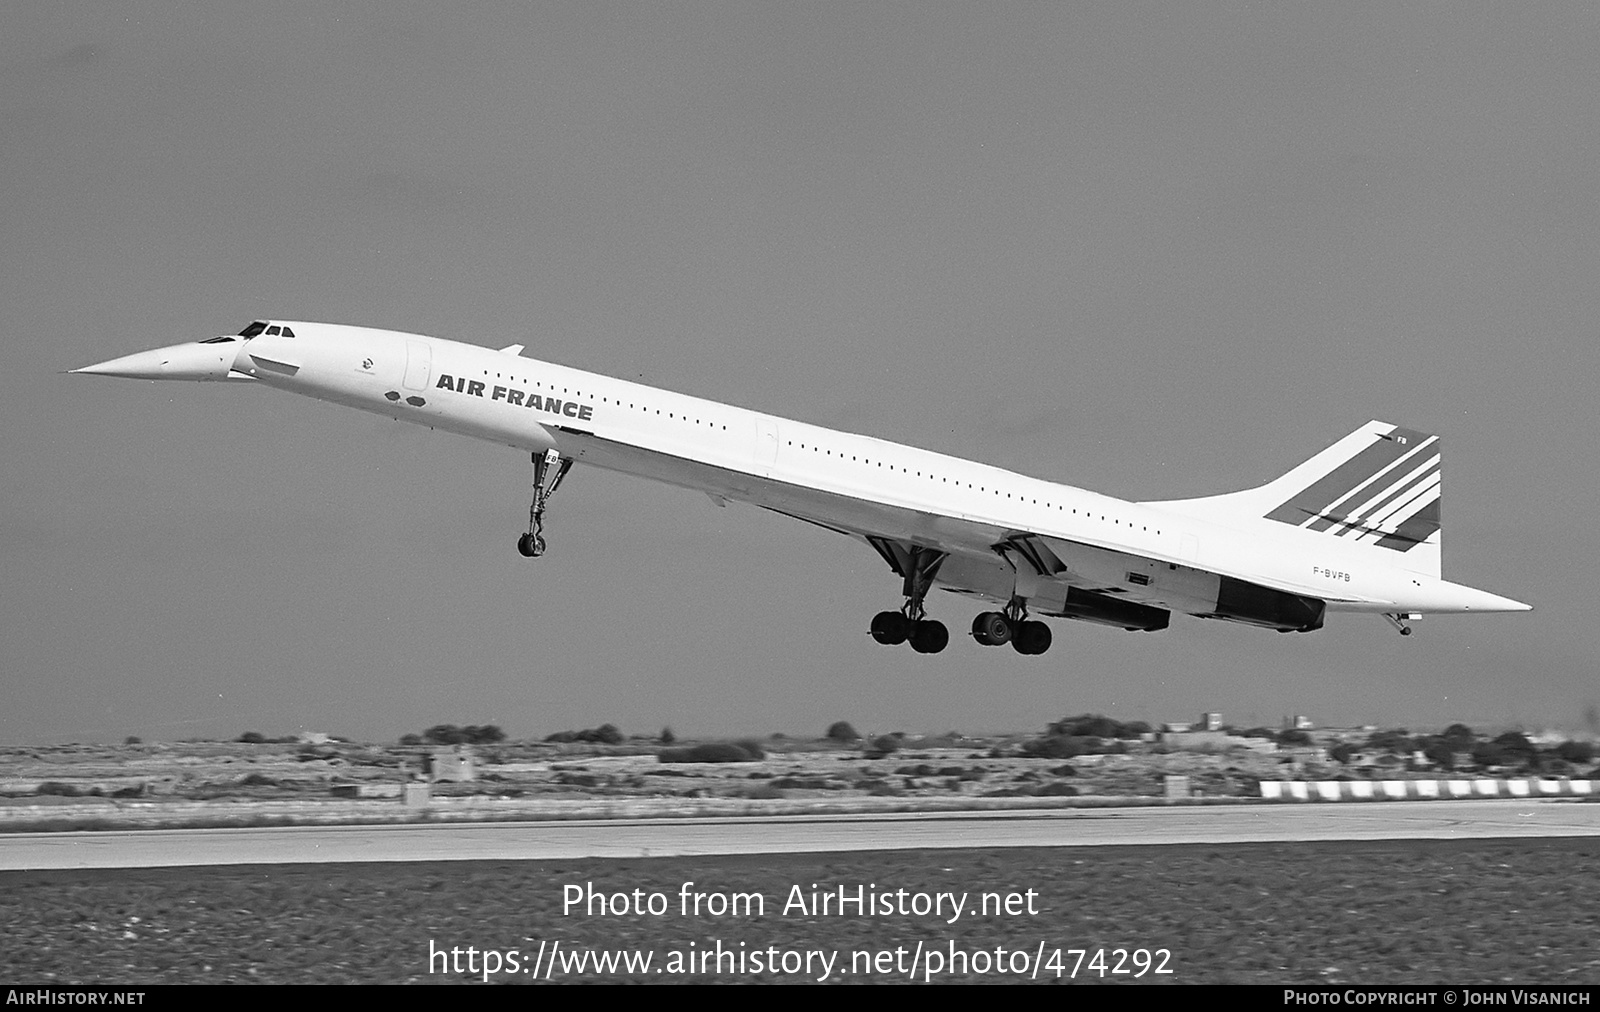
1103,609
1253,604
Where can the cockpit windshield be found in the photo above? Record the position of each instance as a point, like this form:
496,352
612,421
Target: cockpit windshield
262,327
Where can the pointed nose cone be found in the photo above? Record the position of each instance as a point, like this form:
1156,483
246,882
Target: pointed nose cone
192,361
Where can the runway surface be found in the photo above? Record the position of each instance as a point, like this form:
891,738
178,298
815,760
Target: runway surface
1100,827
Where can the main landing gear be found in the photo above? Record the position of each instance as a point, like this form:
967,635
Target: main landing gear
994,628
910,623
548,470
926,635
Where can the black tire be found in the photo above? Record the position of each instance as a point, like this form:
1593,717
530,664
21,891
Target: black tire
991,629
929,637
1032,638
890,627
526,547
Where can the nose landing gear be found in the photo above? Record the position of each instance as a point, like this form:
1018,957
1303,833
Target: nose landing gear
548,470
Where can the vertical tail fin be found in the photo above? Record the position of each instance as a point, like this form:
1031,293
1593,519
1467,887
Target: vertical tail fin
1377,486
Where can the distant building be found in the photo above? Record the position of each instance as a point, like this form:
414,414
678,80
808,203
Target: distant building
450,762
1211,721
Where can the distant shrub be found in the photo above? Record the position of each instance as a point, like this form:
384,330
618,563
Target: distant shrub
605,734
411,739
1516,743
1440,754
1294,736
1391,741
840,730
667,737
753,747
1488,753
1095,725
257,780
1064,746
55,788
252,738
1342,752
1055,746
472,734
709,752
882,746
133,739
1580,752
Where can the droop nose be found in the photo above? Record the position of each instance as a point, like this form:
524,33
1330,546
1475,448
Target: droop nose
196,360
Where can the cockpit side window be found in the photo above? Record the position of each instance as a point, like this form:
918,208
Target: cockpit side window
253,329
287,332
273,331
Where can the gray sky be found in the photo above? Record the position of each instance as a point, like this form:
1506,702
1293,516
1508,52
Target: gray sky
1153,250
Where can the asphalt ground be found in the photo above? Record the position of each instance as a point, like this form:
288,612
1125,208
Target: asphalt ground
1366,912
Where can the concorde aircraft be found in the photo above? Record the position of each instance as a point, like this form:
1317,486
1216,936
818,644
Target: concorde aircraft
1355,528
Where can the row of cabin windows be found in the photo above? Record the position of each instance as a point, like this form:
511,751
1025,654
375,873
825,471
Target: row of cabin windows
981,488
605,400
814,449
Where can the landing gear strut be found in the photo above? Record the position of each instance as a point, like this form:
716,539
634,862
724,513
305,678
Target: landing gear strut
927,636
548,470
993,629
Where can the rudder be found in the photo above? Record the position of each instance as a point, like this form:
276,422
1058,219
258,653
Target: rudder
1379,486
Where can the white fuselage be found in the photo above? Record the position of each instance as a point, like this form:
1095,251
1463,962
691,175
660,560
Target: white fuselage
851,483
